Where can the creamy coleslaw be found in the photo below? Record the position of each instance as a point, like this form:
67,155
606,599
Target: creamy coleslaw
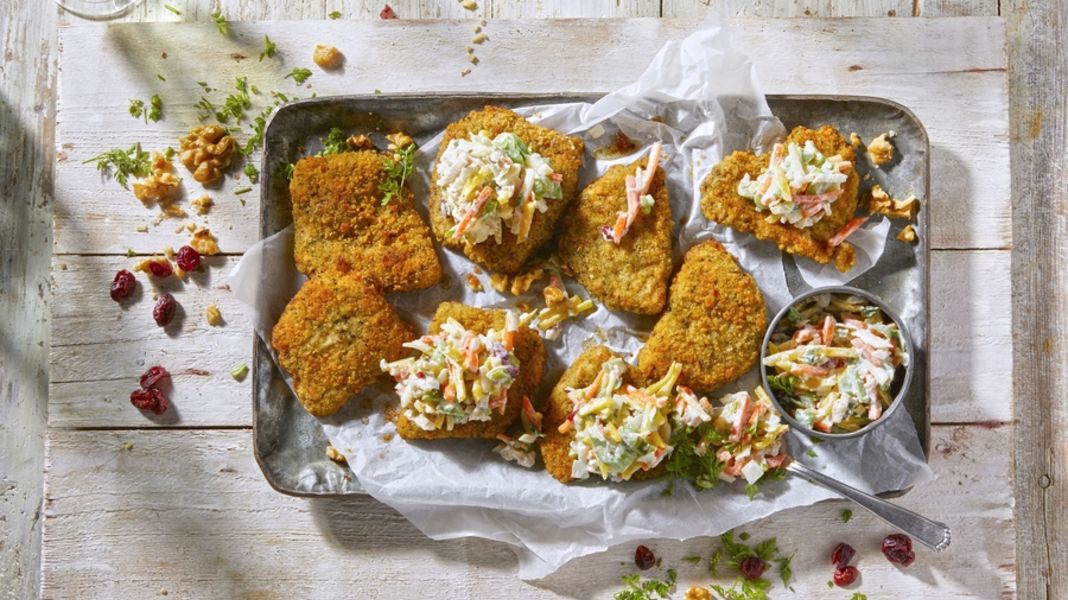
799,186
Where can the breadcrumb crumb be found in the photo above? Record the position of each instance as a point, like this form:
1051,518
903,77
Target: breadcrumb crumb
214,315
880,150
908,235
335,455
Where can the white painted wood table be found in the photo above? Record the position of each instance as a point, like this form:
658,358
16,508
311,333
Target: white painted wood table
135,509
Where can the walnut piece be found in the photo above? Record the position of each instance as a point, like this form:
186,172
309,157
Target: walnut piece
327,57
879,202
698,593
908,235
399,140
880,150
204,243
335,455
360,142
203,204
161,186
206,152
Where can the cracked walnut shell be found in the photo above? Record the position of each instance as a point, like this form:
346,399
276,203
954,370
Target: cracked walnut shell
206,152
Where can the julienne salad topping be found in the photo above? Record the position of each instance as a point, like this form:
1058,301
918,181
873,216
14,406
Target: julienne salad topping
834,359
741,437
490,184
519,446
620,429
638,197
799,186
458,375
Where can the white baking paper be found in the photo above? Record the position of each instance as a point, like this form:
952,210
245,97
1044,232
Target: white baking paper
708,103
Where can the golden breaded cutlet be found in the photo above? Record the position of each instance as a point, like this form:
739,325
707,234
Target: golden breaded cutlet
564,154
331,337
528,349
714,322
555,447
341,224
720,202
633,275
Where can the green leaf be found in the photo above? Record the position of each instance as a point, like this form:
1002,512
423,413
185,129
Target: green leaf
220,22
172,9
121,164
333,143
155,111
334,15
846,515
397,168
252,172
299,75
268,48
239,372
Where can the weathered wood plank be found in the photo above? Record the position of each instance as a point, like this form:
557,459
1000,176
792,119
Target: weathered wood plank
27,109
99,349
958,8
1039,108
959,95
188,512
788,8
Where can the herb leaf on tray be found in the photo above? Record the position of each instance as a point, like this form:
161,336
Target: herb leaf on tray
398,168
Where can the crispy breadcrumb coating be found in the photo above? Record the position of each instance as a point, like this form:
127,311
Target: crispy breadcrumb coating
720,202
632,276
564,154
331,337
528,349
714,323
555,447
340,224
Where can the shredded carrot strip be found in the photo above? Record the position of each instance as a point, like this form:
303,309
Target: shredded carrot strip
846,230
476,210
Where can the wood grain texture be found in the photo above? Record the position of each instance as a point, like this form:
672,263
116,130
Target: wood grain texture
957,8
788,8
100,348
1039,105
27,76
189,512
959,95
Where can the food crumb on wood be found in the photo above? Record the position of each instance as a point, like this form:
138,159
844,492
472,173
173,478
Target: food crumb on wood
908,235
214,315
387,436
168,251
469,4
698,593
327,57
479,38
471,58
126,446
203,204
335,455
465,72
880,150
204,242
163,592
474,282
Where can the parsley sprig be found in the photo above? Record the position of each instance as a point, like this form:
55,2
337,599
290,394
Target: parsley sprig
333,143
220,22
268,48
299,75
121,164
733,552
639,589
398,168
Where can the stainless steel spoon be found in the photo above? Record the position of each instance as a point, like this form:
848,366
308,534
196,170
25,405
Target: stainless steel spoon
930,533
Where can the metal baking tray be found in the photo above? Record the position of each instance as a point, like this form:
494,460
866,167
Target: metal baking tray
289,444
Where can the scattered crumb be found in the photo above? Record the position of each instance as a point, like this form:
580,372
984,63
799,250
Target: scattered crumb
879,202
891,13
327,57
698,593
163,591
142,267
465,72
469,4
477,29
335,455
516,285
908,235
854,140
499,282
880,150
474,282
204,242
127,446
620,145
203,204
62,266
142,229
214,315
168,251
477,270
163,54
471,58
360,142
479,38
387,436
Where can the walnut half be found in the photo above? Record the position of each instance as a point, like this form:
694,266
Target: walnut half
206,152
159,187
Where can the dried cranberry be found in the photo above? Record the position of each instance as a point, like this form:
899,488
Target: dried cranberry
188,258
163,311
152,376
842,554
752,567
387,13
897,548
644,558
151,400
122,287
160,268
845,576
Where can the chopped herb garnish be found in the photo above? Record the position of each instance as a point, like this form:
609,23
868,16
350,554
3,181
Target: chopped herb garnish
333,143
858,596
693,560
377,91
169,152
137,109
287,171
205,86
243,190
736,552
334,15
130,253
204,108
121,164
239,372
241,84
786,572
397,168
268,48
299,75
252,172
220,22
811,453
161,77
155,112
172,9
258,124
648,589
846,515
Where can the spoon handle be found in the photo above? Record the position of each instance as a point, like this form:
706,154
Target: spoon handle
930,533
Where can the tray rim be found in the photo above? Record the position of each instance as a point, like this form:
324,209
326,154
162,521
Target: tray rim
923,219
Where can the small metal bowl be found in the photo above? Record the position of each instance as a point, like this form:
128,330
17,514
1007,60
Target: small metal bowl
900,381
